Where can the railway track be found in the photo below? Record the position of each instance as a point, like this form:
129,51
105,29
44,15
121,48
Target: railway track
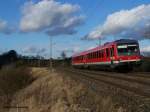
140,74
112,80
130,74
132,78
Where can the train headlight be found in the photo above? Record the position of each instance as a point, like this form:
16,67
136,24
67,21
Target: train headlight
119,59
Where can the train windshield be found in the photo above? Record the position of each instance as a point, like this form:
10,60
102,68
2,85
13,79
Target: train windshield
128,49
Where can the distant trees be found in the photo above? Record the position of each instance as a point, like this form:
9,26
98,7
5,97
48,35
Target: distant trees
63,55
66,60
8,57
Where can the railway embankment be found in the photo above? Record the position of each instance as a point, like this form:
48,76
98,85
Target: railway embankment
63,91
58,92
128,91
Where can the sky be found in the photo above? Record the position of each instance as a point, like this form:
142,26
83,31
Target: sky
74,25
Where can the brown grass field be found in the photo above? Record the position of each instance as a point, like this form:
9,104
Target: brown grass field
53,92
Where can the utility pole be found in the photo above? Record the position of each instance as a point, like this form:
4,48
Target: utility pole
51,55
99,41
38,57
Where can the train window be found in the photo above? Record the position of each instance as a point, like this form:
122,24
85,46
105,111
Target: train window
107,52
92,55
112,52
127,49
102,53
97,54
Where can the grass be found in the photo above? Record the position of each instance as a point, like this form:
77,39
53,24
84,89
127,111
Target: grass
59,93
12,80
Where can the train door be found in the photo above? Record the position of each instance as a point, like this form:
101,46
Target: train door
112,53
84,59
107,54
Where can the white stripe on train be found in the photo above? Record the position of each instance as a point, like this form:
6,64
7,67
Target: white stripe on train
107,63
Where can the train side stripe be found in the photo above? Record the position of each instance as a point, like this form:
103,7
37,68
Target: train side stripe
106,63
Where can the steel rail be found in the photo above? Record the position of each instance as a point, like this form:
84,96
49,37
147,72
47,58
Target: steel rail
124,87
119,76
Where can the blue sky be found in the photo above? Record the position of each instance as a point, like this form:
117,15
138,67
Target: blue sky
94,12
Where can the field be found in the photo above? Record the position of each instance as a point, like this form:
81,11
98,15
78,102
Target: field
36,89
55,93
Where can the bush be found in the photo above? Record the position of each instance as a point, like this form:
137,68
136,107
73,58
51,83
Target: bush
13,79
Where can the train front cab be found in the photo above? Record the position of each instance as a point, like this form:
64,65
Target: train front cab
127,56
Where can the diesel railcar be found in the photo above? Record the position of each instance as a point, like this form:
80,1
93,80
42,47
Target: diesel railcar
119,54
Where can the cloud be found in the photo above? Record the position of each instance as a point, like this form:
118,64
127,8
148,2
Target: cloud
145,49
34,50
51,17
133,23
5,28
69,51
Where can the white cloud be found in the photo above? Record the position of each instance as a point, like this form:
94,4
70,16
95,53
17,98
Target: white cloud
50,16
134,23
5,28
76,49
145,49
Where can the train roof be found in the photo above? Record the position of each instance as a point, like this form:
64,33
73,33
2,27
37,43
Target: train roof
121,41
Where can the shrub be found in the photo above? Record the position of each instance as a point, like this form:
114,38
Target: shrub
13,79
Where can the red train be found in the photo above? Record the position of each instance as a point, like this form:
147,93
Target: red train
123,53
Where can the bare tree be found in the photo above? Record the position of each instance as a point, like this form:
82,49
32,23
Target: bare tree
63,55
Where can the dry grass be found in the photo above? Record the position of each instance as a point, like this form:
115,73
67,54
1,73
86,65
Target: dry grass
12,80
58,93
